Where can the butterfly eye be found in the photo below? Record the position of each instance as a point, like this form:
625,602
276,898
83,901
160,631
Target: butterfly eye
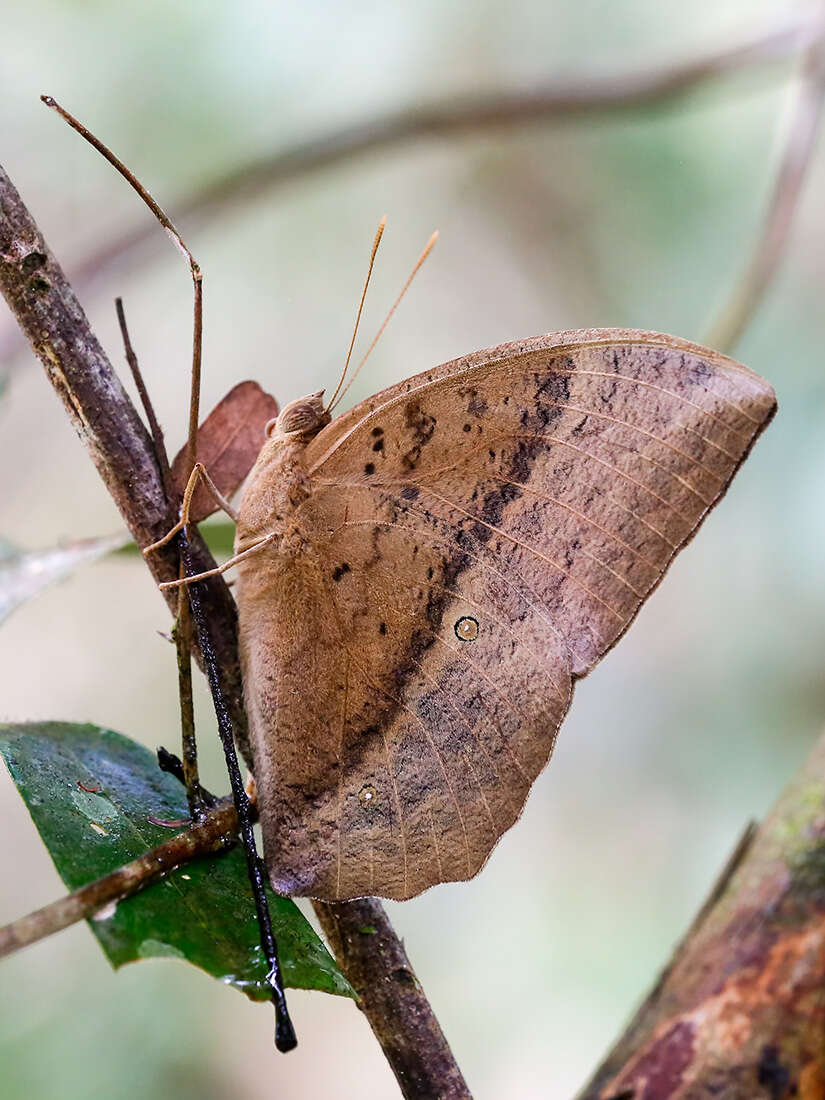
466,629
367,795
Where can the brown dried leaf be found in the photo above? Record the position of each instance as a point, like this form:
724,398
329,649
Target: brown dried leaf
228,444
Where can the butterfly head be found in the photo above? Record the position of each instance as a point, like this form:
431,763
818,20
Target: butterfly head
304,417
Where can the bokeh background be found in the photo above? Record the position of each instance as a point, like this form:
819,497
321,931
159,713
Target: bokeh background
643,218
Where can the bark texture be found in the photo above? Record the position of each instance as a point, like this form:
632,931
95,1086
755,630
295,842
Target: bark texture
739,1013
376,965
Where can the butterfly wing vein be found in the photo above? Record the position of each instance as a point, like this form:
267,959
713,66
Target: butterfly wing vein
472,541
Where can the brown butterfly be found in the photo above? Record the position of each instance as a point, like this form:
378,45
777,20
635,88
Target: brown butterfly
424,578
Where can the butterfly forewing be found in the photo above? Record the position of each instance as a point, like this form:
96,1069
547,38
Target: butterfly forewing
473,539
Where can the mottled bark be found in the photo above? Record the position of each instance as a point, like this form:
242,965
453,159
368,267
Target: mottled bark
739,1013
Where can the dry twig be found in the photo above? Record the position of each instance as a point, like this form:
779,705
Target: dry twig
215,832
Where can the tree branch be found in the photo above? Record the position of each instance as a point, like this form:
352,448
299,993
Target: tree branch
376,965
50,315
797,153
739,1011
48,312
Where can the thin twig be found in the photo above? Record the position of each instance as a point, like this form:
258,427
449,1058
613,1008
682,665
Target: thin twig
183,643
215,832
182,631
796,157
151,418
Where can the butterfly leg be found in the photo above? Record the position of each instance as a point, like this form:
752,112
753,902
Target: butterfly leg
199,473
250,550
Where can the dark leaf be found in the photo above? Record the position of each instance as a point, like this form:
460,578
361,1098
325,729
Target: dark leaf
96,797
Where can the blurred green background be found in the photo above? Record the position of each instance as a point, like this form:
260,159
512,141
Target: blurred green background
643,219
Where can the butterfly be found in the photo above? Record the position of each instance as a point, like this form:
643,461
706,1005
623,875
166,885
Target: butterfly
423,579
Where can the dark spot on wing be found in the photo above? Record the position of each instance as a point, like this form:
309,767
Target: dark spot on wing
369,468
569,555
382,629
340,570
477,403
421,426
552,391
378,445
607,397
697,370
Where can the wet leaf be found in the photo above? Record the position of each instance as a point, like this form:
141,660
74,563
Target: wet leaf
228,444
24,575
96,798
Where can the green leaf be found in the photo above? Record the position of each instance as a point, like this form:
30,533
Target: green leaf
24,574
93,795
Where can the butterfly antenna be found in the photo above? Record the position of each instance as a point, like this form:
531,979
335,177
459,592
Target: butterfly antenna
427,250
379,234
180,244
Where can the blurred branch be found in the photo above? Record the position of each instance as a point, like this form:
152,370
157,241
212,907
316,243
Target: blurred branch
214,833
548,102
800,143
739,1011
543,103
46,309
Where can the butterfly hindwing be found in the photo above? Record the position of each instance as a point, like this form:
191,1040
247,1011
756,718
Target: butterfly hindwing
472,541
